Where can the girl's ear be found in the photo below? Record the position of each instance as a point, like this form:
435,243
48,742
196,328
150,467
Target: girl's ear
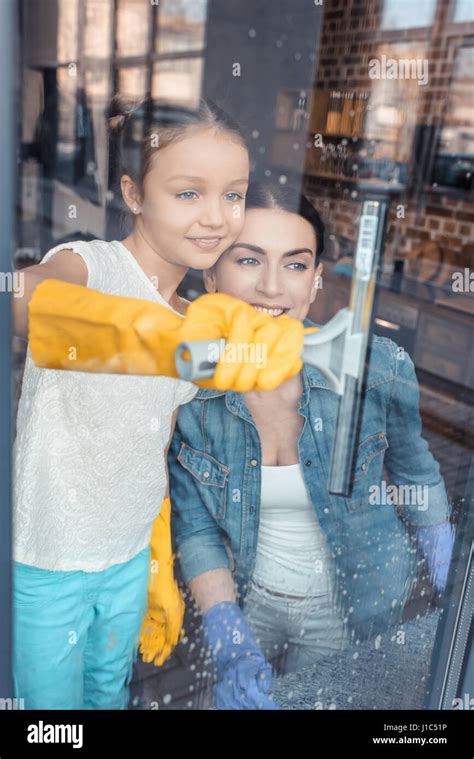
317,282
130,193
209,277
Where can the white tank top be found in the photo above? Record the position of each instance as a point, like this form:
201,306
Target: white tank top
292,554
89,466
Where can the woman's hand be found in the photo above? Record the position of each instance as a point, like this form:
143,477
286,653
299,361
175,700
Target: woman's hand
244,675
436,541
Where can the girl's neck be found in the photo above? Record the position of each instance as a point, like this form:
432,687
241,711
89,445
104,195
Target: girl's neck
164,276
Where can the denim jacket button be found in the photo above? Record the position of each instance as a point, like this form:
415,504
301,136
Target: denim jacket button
364,467
252,509
206,475
254,462
308,462
326,510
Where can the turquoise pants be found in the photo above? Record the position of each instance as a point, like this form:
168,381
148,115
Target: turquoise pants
76,634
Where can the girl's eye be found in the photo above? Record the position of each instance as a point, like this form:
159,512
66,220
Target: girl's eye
187,195
298,266
247,261
234,197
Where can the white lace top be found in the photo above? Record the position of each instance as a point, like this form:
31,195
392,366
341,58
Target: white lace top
89,467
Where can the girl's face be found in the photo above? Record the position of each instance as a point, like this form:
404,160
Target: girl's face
192,206
271,265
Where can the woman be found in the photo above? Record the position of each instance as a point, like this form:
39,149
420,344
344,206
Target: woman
282,570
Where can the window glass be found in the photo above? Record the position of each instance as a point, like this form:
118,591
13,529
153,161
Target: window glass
97,28
403,14
136,15
178,81
464,10
181,26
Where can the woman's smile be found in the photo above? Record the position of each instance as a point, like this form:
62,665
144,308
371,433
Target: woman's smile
273,310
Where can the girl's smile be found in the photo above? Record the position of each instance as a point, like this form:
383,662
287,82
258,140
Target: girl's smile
206,243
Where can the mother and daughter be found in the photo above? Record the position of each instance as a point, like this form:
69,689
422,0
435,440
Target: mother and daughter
282,572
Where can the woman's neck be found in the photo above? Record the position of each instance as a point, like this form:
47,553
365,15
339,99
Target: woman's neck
289,392
164,276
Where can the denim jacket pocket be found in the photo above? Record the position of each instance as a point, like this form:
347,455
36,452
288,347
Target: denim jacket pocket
368,470
211,475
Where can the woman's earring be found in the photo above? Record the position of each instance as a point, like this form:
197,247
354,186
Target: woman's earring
135,210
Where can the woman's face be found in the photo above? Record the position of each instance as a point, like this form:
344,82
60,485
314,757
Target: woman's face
193,205
271,264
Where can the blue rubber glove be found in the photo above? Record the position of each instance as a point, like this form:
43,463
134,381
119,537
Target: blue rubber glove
436,542
243,674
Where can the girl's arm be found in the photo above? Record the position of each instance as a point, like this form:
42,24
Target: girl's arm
66,265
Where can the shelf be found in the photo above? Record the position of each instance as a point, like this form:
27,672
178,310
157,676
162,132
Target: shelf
367,183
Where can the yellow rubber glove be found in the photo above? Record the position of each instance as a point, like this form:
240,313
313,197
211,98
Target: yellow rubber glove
79,329
75,328
162,624
252,334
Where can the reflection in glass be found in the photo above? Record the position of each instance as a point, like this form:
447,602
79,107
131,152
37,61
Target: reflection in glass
181,25
454,160
68,11
393,111
132,81
178,81
404,14
97,28
67,89
133,25
464,10
96,80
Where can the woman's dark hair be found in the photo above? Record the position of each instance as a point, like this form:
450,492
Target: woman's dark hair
138,130
284,197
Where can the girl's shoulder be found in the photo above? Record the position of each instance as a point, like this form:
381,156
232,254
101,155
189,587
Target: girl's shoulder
83,248
103,259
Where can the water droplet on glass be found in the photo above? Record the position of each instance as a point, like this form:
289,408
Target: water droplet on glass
252,33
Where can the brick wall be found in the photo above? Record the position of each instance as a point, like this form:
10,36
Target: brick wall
350,36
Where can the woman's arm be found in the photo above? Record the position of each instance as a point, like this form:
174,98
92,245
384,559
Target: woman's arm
408,459
66,265
212,587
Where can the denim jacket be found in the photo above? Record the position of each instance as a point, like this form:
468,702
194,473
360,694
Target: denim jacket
214,464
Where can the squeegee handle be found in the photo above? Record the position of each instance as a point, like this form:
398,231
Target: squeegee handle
367,257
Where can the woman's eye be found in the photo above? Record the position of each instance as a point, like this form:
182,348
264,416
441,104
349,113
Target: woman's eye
187,195
298,266
248,261
234,197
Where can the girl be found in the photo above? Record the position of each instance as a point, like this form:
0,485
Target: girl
248,484
90,471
